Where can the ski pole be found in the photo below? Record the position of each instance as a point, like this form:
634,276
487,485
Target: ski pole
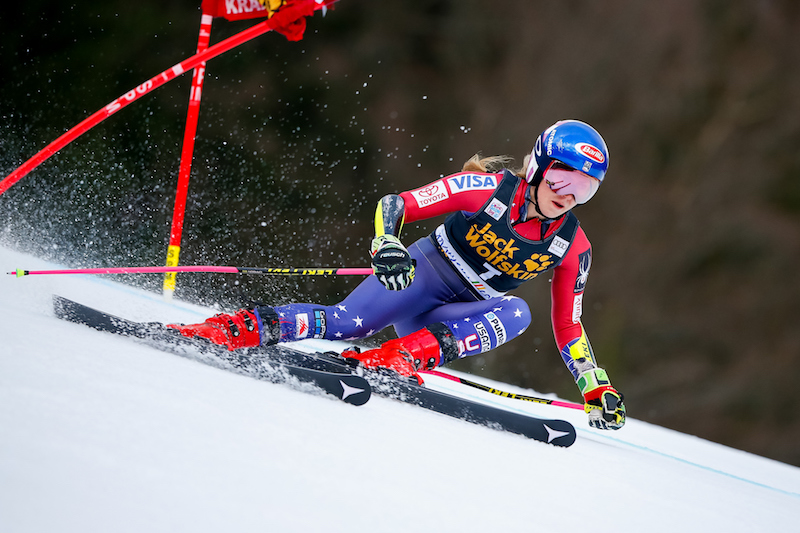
319,271
498,392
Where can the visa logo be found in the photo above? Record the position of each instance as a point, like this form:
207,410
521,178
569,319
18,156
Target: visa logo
471,182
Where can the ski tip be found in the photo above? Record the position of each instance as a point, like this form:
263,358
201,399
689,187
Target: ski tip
560,434
357,392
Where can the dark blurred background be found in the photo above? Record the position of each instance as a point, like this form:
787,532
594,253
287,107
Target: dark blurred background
692,299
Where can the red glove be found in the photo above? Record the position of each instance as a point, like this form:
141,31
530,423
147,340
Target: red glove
239,330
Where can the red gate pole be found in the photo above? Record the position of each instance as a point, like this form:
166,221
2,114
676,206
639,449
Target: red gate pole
185,168
286,19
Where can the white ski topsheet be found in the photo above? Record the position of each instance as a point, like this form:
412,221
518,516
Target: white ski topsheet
99,433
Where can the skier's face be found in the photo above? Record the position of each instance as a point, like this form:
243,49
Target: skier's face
565,180
552,204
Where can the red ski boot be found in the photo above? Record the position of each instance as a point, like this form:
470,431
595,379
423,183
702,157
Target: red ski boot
244,329
424,349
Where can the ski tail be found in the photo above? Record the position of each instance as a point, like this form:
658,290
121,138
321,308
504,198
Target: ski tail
346,386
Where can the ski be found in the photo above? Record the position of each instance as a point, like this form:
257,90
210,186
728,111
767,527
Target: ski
346,386
329,370
389,384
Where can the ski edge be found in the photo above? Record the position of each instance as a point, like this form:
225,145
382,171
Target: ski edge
349,388
333,366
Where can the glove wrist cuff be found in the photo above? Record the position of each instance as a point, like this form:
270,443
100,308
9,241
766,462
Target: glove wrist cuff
593,382
384,240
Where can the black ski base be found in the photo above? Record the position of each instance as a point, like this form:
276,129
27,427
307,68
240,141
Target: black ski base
389,384
347,387
330,371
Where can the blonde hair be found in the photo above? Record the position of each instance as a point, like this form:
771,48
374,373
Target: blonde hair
491,164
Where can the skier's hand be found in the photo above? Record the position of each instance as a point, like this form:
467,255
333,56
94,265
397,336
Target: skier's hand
606,411
391,262
602,402
239,330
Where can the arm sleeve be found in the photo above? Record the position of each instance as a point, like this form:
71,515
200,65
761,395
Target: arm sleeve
569,283
464,191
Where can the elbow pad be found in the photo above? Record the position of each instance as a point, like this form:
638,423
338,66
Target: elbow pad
390,215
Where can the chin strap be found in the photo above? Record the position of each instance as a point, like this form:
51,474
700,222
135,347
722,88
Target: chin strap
535,202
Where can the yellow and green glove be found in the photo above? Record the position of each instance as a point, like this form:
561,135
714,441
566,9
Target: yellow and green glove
602,402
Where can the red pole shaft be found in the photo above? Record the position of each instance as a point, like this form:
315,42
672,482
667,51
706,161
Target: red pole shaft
185,168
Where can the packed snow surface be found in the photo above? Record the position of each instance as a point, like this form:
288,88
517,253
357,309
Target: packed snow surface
100,433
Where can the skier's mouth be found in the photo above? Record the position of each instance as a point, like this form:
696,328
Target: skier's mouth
558,205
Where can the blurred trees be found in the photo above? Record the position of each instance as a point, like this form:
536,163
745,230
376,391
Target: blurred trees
691,303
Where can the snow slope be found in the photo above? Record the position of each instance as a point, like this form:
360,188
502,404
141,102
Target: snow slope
98,433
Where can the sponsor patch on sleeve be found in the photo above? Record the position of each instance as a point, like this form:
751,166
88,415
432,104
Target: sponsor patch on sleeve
483,336
577,308
430,194
472,182
584,264
301,325
320,324
498,327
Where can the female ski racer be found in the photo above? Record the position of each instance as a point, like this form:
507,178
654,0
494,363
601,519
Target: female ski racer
447,294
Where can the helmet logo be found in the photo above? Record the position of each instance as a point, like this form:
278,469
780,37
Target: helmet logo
550,142
591,152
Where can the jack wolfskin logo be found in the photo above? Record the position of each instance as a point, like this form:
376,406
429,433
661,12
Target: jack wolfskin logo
499,253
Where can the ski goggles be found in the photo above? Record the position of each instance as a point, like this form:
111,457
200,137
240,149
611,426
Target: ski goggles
563,180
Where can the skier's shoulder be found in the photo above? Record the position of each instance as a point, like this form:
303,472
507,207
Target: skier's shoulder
579,248
454,192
